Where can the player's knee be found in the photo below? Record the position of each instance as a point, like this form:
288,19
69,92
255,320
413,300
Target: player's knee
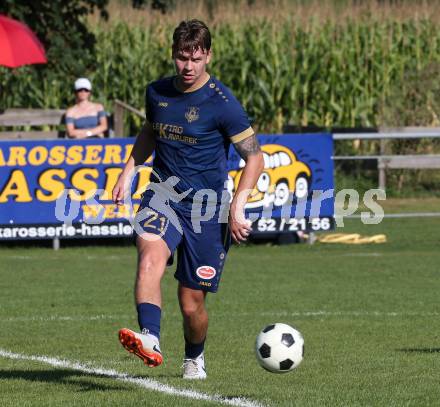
192,309
189,311
149,268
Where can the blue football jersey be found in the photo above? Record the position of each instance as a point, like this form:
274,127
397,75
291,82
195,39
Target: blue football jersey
193,132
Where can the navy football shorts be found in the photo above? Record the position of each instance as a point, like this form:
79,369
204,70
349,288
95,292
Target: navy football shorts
201,254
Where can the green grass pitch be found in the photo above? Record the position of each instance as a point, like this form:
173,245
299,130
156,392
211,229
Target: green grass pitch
369,314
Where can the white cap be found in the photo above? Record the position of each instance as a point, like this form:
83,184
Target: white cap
83,83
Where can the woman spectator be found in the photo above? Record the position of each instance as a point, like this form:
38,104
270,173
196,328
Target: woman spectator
85,119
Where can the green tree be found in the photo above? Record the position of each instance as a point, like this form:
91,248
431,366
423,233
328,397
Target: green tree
61,27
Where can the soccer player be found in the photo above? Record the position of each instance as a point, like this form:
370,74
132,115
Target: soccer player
191,120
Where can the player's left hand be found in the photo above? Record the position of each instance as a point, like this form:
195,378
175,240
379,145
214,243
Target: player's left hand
239,226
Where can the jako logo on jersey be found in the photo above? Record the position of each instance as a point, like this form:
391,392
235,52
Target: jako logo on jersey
206,272
163,104
192,114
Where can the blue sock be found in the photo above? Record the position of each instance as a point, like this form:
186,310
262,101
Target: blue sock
193,350
149,318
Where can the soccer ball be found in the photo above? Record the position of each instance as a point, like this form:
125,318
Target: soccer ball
279,348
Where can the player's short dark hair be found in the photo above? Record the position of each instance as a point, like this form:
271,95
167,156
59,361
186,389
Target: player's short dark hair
191,35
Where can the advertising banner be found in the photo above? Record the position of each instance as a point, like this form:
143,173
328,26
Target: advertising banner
295,192
62,188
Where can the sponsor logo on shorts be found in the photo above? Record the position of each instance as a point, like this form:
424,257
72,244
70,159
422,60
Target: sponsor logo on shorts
206,272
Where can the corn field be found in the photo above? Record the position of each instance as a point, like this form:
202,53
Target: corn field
328,75
325,74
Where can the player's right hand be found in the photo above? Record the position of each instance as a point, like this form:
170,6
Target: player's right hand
118,191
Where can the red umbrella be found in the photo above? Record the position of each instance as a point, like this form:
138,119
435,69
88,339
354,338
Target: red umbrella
19,45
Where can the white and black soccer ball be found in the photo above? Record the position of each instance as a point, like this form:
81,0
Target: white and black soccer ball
279,348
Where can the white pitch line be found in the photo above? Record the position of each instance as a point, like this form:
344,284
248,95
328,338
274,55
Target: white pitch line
50,318
145,383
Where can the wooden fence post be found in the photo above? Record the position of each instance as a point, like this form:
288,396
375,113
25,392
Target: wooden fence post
118,120
381,165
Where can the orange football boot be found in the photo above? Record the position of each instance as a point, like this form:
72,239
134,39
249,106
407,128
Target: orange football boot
144,345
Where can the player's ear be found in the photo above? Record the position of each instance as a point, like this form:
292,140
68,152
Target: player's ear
208,56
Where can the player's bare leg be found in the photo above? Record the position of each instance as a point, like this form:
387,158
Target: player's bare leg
152,259
195,327
153,254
